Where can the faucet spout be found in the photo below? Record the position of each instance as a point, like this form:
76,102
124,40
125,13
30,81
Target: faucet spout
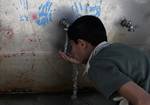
128,24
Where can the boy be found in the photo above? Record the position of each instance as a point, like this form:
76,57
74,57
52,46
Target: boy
116,69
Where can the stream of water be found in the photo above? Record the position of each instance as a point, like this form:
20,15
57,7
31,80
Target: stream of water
74,98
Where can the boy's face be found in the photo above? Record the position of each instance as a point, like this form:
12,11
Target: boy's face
80,50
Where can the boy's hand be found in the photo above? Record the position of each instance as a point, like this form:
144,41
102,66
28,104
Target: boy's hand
68,58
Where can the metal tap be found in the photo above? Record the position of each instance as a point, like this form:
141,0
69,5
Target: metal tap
67,45
128,24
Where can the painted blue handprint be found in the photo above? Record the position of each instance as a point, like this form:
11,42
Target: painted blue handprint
44,13
80,8
95,10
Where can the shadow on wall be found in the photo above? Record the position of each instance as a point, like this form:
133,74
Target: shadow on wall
58,28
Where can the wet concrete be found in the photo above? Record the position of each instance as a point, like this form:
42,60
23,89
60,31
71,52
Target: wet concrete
88,98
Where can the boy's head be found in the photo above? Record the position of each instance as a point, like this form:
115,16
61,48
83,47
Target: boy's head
88,28
85,34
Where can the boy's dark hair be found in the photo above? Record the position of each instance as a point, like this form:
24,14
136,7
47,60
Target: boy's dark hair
88,28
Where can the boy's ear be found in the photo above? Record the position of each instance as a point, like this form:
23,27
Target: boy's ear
82,43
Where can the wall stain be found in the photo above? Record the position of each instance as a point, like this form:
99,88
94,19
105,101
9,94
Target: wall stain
33,54
34,16
8,33
1,58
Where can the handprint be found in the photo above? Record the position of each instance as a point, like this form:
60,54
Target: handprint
44,13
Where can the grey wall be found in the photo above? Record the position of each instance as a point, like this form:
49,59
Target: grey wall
31,36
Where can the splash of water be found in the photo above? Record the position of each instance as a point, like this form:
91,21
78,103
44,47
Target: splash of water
75,81
74,98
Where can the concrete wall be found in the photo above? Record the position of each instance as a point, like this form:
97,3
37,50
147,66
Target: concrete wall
31,36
